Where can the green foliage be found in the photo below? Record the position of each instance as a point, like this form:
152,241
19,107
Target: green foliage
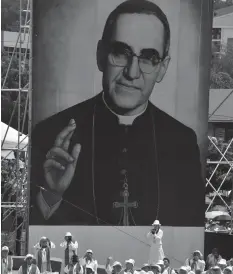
9,99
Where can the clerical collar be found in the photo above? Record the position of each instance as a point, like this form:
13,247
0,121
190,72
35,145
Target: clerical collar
122,119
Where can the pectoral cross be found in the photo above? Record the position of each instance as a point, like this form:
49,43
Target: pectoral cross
126,205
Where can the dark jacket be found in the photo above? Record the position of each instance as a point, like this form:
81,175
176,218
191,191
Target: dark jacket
160,155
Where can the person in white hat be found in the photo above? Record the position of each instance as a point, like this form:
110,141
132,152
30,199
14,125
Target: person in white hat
74,266
183,270
29,266
155,268
222,264
213,258
43,253
196,262
129,267
89,261
6,261
155,239
115,268
71,248
145,269
215,270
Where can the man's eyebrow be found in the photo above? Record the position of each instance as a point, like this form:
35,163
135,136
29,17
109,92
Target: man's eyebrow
122,44
151,51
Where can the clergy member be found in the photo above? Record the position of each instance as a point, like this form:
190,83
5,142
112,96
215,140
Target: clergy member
89,261
155,239
43,254
6,261
115,268
118,141
70,246
29,266
74,266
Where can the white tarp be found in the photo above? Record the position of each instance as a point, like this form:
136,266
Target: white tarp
11,141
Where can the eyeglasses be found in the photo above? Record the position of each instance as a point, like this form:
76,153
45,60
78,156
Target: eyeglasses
122,55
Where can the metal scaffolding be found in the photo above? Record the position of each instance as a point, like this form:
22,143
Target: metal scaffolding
14,198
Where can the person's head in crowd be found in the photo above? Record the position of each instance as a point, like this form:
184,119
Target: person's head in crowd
161,264
43,242
215,252
132,61
129,264
183,270
222,264
231,262
216,270
117,267
228,270
156,269
68,237
156,225
146,267
89,269
89,254
197,255
166,262
5,251
29,259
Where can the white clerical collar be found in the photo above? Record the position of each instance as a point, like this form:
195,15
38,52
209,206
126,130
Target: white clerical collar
123,119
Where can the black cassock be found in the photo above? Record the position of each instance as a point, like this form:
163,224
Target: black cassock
158,154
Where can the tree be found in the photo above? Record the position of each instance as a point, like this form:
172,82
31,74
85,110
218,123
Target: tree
9,99
221,75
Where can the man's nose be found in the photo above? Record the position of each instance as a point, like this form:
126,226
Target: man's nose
132,70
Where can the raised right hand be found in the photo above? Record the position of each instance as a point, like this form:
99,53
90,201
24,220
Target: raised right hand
60,166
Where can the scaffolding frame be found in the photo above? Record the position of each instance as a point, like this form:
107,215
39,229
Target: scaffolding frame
20,207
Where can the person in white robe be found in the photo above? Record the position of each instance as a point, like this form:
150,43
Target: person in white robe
222,264
115,268
43,253
155,240
155,269
6,261
145,269
88,260
196,262
70,246
29,266
74,266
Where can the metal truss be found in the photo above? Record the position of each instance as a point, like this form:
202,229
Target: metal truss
224,154
17,183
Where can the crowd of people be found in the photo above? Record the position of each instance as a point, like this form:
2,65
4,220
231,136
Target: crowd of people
73,264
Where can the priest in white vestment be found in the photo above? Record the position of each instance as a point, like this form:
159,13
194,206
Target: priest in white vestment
89,261
70,246
155,239
29,266
129,267
74,266
6,261
115,268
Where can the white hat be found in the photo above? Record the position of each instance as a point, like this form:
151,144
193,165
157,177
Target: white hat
160,262
198,251
130,261
89,251
90,267
158,267
116,263
215,267
145,265
222,262
68,234
184,268
5,248
28,256
156,222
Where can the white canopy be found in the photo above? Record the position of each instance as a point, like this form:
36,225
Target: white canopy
11,141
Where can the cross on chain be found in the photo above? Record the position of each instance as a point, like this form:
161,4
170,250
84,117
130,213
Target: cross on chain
126,205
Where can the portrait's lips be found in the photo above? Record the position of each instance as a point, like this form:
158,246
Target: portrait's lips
128,86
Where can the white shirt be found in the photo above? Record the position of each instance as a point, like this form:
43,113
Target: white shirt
28,270
200,264
93,263
66,269
169,270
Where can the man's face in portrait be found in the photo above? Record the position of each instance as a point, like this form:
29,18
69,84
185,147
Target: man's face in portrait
129,84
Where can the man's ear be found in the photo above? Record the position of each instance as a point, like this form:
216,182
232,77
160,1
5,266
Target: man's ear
100,56
163,69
